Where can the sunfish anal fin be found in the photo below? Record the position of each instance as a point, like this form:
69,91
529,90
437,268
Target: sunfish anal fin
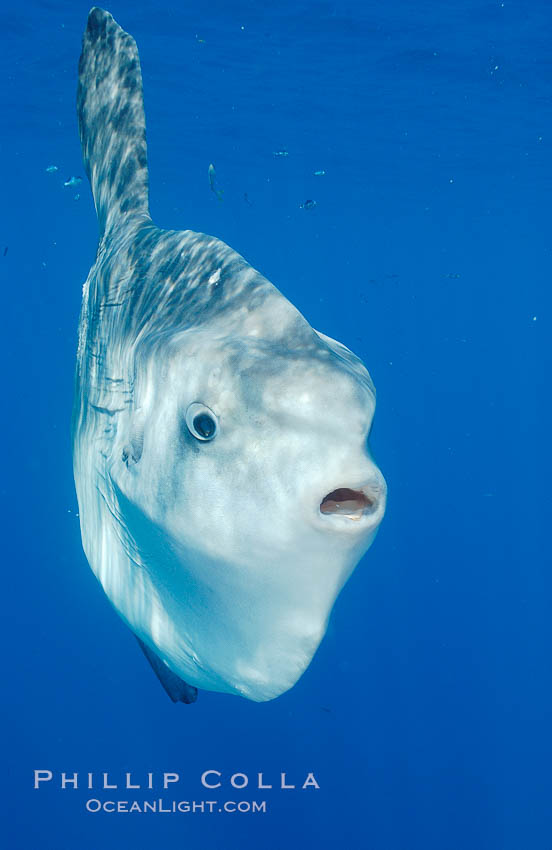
177,689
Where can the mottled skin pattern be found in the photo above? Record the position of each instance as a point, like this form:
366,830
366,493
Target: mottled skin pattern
112,126
215,554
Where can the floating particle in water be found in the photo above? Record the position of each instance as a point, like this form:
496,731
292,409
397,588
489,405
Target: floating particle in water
52,169
246,199
282,152
73,181
76,197
200,40
213,182
308,205
320,173
452,276
5,250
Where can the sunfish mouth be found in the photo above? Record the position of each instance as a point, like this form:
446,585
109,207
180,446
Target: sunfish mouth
353,504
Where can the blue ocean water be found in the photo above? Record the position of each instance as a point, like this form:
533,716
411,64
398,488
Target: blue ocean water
425,715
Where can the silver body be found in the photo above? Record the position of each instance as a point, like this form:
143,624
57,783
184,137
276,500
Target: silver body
221,556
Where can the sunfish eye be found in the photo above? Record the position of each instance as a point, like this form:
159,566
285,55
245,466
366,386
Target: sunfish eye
201,421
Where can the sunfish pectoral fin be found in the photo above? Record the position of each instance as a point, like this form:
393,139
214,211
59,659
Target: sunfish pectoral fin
112,125
177,689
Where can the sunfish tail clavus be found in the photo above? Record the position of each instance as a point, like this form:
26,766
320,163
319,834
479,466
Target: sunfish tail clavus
225,487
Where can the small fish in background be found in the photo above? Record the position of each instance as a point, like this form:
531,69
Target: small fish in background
73,181
5,250
308,205
76,197
213,183
320,173
246,199
452,276
51,169
282,152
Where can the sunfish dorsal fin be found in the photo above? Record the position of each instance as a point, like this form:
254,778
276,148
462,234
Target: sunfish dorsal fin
112,126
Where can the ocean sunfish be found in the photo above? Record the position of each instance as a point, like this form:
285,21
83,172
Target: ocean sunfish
225,487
